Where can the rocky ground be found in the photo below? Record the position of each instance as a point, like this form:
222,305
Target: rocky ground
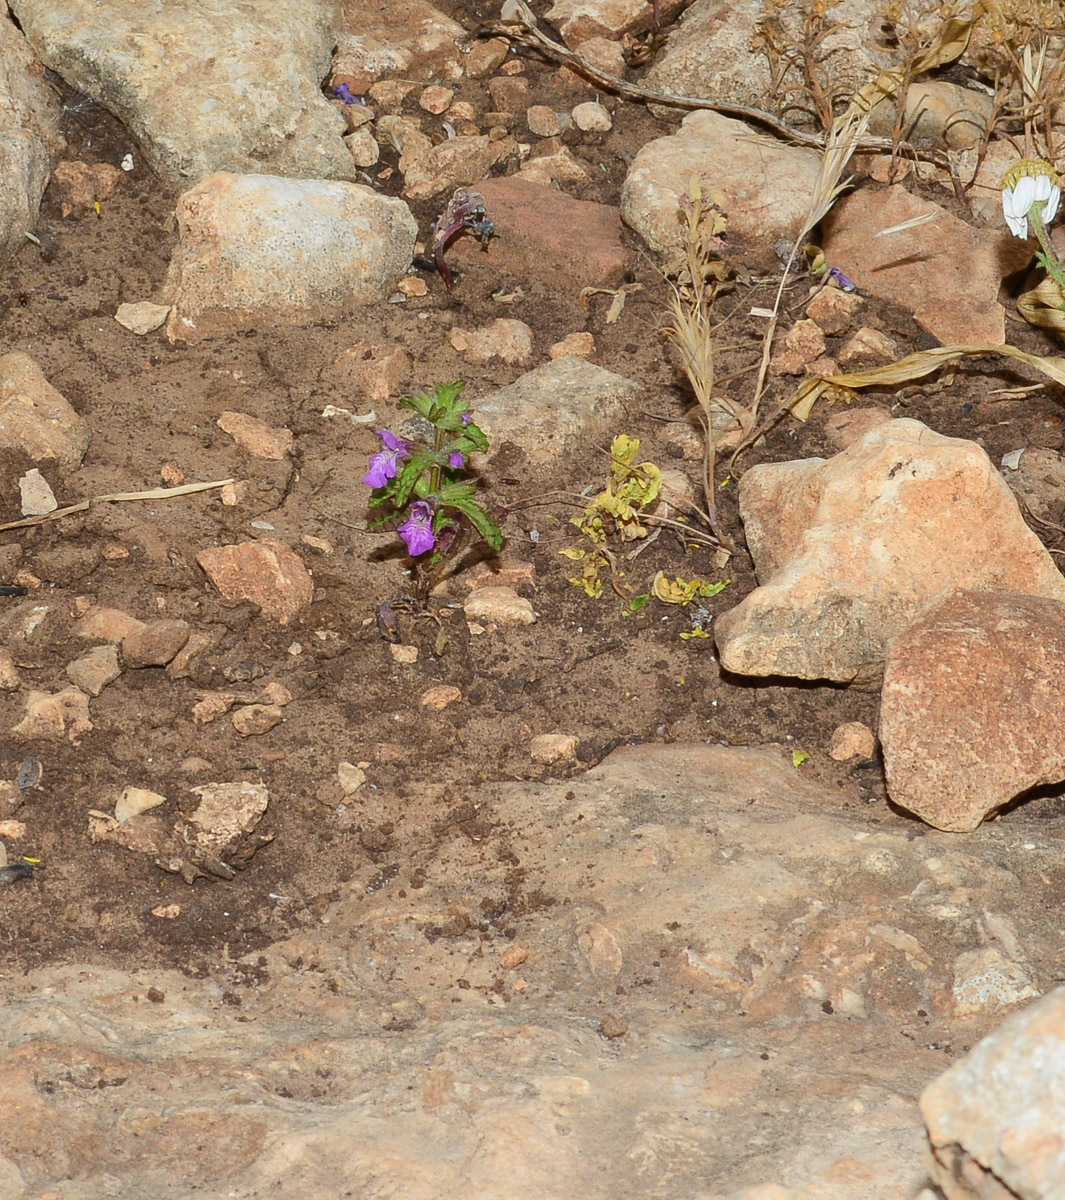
542,892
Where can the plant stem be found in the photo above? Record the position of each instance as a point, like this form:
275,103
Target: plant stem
434,470
1050,257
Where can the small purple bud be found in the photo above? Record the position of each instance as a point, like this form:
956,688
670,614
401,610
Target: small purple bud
467,419
456,460
417,530
841,280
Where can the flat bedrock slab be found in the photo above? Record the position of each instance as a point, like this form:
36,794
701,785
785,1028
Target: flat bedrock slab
208,85
849,551
767,186
288,251
995,1120
722,940
973,707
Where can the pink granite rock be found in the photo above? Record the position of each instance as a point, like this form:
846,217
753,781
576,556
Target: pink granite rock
267,573
849,551
973,707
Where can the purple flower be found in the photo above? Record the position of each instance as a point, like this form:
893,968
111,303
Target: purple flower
417,530
384,464
467,419
456,460
841,280
342,91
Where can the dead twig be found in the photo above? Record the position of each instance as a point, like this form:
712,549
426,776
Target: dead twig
83,505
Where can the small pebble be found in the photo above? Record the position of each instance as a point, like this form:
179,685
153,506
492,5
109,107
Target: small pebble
592,118
513,957
436,99
612,1027
256,719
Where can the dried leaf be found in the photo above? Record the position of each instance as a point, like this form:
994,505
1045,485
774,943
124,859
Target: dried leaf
913,366
1042,306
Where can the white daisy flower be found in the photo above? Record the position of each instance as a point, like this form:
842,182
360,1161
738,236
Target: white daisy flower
1028,182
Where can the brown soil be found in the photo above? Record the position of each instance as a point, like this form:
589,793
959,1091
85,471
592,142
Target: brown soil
590,668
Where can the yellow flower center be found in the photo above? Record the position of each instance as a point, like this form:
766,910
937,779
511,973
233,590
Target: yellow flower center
1032,167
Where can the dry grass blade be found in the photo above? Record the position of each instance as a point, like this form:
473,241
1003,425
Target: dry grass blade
185,489
843,139
913,366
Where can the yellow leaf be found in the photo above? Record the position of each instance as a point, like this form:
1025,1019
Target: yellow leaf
688,634
576,555
798,757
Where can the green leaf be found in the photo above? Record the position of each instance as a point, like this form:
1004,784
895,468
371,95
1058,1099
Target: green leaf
419,402
481,521
407,479
637,603
457,492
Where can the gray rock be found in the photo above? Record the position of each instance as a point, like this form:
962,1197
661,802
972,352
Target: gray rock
995,1119
35,418
767,186
714,52
550,411
404,39
25,168
973,707
207,86
851,550
29,136
290,251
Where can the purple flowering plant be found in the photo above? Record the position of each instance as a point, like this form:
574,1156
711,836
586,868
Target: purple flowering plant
432,503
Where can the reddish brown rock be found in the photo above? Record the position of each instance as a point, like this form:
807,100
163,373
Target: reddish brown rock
973,707
550,236
851,550
853,739
944,271
266,573
155,643
107,625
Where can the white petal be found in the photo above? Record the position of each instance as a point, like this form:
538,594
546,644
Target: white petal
1042,188
1023,195
1018,226
1052,205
